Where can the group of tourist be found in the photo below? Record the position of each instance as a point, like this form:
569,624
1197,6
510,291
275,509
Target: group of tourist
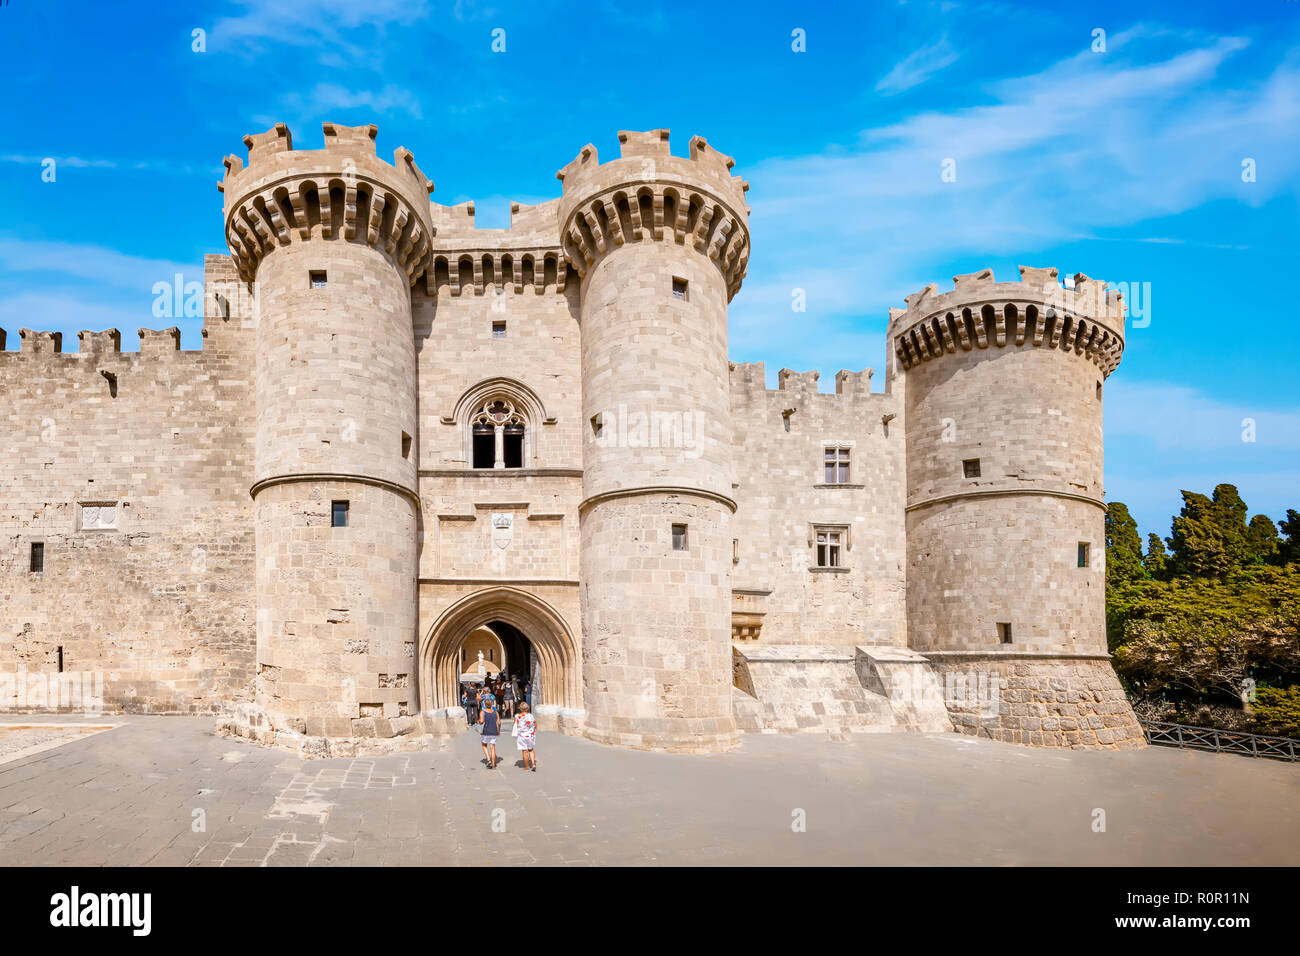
490,703
508,691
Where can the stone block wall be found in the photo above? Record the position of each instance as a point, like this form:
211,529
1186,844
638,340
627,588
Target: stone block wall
339,602
1040,702
656,623
133,470
958,592
779,438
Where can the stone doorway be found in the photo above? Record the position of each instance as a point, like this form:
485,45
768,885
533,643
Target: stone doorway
527,628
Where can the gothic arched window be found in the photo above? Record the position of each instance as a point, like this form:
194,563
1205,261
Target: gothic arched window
497,433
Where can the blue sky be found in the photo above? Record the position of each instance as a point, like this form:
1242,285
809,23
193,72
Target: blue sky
1124,164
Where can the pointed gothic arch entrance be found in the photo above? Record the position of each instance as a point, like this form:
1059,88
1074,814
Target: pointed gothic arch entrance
558,681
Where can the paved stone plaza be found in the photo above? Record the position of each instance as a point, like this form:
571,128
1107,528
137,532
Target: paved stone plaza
129,796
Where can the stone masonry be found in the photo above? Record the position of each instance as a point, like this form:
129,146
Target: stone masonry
402,429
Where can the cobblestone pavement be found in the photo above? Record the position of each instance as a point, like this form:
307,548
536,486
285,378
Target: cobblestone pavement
164,790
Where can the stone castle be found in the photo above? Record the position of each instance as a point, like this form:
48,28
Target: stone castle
406,440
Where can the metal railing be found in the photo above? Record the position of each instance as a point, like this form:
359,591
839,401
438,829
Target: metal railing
1220,741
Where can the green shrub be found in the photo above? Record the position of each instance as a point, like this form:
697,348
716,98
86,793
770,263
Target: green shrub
1278,710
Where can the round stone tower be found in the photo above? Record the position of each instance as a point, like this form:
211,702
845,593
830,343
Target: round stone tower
660,243
332,240
1005,514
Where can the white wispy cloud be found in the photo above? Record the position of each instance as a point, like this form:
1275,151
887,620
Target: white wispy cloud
1092,143
1162,438
306,22
76,162
330,102
98,264
918,66
1170,418
80,162
1154,500
66,286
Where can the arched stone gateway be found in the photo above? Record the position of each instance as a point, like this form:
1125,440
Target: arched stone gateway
559,684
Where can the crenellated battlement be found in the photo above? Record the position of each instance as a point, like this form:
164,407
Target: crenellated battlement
343,191
159,340
109,340
751,378
32,341
91,343
980,313
645,157
527,254
647,193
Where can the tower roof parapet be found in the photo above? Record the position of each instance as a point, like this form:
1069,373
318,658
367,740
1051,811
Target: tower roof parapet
342,191
1086,318
649,194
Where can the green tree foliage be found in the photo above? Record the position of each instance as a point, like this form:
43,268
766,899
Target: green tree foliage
1224,607
1123,546
1156,560
1289,549
1262,542
1209,534
1278,709
1205,636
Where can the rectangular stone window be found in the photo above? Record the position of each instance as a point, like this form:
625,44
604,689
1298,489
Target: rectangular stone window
1004,632
38,557
483,450
1099,391
597,425
836,465
406,445
679,538
499,329
1084,553
735,550
971,467
679,288
317,279
829,543
339,514
512,446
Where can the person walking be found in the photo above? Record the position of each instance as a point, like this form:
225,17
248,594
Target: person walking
468,701
491,722
526,734
508,699
528,694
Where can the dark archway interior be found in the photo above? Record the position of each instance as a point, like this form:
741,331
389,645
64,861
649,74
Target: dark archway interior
518,649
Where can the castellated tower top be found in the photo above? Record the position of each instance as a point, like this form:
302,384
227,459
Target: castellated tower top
649,194
1087,319
343,191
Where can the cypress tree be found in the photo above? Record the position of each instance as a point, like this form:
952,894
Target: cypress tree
1123,546
1262,542
1156,561
1209,534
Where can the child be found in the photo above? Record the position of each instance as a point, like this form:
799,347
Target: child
526,731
